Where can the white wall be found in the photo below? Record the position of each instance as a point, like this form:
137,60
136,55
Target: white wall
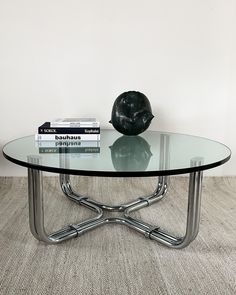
63,58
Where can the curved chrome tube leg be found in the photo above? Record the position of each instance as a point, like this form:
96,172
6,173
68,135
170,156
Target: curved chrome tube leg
36,214
67,189
193,218
157,195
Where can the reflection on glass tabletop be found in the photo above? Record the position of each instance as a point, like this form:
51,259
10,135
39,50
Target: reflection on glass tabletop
148,154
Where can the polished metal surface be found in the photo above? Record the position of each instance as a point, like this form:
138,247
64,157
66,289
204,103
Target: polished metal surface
36,210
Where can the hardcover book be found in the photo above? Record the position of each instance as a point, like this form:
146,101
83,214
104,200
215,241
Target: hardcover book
47,129
67,137
75,122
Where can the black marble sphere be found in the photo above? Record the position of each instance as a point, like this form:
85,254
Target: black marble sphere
131,113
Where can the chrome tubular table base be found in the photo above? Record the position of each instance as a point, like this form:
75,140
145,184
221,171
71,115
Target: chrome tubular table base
36,212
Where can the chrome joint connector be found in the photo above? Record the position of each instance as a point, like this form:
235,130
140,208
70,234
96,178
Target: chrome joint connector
81,199
152,230
73,227
142,199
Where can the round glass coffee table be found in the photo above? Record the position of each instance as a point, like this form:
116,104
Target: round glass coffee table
152,153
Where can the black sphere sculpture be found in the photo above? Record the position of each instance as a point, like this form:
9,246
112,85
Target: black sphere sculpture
131,113
130,153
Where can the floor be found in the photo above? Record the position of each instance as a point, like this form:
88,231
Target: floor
114,259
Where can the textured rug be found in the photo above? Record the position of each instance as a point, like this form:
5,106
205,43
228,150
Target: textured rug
114,259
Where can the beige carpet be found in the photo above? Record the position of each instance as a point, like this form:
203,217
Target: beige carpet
114,259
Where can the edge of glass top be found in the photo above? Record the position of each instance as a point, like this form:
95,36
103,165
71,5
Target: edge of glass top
122,173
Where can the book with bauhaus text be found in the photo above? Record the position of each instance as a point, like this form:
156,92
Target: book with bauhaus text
60,137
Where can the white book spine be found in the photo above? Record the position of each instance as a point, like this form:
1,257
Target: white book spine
67,137
75,124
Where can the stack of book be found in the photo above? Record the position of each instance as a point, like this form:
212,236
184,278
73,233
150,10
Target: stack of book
87,129
78,136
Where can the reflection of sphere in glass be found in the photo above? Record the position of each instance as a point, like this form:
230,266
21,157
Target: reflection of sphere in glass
130,153
131,113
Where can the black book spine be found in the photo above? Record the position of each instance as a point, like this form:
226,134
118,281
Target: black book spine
62,130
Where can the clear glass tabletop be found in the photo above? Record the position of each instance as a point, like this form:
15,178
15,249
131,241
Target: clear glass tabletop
151,153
